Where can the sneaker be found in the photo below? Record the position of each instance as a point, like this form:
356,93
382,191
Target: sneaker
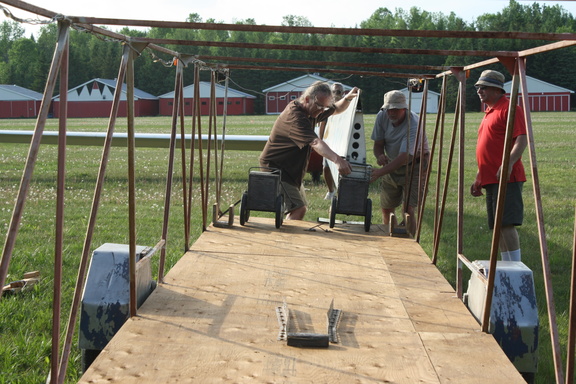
329,195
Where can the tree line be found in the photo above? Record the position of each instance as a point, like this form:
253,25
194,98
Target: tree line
25,61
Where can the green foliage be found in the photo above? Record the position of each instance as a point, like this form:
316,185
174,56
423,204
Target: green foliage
92,57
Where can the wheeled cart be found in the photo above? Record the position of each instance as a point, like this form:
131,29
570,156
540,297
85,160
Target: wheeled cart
352,197
264,194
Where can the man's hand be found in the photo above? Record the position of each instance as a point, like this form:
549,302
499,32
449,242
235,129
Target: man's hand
376,174
352,94
476,188
382,160
344,167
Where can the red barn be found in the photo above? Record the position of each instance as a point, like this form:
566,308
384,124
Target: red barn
94,99
16,101
278,96
543,96
239,103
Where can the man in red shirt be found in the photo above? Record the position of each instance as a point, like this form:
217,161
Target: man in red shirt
489,153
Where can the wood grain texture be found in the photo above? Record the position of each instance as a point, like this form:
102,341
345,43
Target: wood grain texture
214,319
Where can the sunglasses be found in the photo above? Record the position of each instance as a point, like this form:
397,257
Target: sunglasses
320,106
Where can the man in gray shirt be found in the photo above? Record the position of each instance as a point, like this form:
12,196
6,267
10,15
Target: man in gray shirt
395,152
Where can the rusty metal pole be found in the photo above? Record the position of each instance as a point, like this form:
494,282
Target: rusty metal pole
195,108
185,61
420,143
93,214
131,180
461,150
215,138
18,210
178,101
503,183
59,234
211,115
223,143
198,117
572,323
438,130
556,352
417,142
438,229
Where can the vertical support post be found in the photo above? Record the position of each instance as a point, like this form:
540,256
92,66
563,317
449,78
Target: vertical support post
461,165
131,180
459,120
211,120
556,353
418,142
438,131
198,118
438,228
59,235
572,323
183,159
503,182
178,102
195,109
215,139
93,215
223,145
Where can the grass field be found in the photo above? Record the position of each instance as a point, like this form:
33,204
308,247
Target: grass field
25,319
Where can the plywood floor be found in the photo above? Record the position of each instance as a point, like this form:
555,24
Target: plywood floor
214,320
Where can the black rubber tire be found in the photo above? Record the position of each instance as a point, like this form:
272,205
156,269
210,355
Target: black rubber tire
244,213
279,210
368,217
333,211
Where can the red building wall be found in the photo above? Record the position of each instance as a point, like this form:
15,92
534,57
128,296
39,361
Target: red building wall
19,108
236,106
102,108
549,102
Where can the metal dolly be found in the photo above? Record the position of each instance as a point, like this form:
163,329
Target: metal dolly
352,197
263,194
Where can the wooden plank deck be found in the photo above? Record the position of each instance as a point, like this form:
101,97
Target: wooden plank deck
214,319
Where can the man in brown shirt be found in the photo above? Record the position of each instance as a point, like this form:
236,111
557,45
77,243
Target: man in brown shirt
292,137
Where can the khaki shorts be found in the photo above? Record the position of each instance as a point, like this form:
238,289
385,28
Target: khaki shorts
294,197
392,188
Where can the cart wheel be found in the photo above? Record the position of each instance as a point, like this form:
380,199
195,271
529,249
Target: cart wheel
279,210
368,217
333,211
244,212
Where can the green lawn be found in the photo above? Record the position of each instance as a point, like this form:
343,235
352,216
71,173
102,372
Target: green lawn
25,319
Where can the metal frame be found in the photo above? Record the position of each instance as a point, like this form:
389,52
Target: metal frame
513,60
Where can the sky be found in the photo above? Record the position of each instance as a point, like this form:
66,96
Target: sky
345,13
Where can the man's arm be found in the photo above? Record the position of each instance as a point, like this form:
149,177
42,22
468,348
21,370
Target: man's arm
378,149
324,150
342,104
391,166
515,154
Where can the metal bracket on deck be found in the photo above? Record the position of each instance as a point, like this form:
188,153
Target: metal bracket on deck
400,230
222,224
305,339
333,316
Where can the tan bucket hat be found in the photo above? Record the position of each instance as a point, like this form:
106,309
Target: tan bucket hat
394,100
